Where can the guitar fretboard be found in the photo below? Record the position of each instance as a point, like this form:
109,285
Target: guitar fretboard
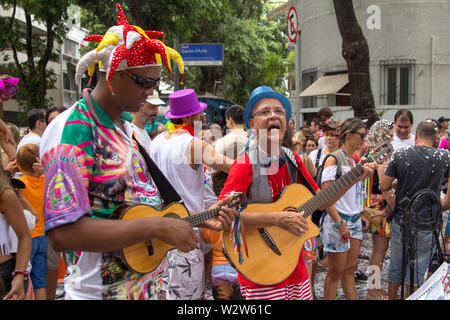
331,191
197,219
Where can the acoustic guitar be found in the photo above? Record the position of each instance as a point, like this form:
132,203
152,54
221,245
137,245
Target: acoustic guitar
273,253
146,256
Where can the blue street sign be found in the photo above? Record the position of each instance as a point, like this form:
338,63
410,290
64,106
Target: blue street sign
202,54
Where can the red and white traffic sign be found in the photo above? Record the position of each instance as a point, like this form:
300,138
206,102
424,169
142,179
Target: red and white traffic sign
292,24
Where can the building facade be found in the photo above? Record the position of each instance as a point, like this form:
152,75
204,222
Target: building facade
409,51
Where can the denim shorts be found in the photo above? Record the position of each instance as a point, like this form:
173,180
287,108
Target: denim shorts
225,284
38,260
224,272
421,262
331,238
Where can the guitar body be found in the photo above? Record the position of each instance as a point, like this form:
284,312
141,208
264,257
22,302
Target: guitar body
137,256
263,266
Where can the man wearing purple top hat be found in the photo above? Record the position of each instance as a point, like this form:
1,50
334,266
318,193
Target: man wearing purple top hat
181,155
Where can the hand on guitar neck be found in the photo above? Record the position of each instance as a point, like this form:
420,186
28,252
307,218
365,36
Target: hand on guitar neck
225,218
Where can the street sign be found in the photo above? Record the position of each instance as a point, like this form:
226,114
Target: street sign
292,24
202,54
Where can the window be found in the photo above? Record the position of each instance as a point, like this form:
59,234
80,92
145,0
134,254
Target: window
309,76
70,48
397,85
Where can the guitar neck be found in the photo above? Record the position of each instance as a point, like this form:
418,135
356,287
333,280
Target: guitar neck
316,202
201,217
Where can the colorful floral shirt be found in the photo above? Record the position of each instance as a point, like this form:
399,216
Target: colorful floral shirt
91,167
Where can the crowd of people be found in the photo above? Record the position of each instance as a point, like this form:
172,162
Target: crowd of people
64,184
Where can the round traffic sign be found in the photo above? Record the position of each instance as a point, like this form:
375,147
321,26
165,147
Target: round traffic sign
292,24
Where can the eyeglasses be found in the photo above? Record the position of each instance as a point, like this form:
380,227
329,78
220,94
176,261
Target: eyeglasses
363,135
265,113
143,82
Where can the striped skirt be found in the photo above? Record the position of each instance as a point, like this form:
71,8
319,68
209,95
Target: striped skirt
297,291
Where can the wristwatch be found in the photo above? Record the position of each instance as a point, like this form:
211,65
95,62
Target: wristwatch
339,223
16,272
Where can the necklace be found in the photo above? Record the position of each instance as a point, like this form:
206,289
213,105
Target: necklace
171,127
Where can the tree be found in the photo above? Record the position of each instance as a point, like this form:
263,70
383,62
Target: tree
35,77
356,53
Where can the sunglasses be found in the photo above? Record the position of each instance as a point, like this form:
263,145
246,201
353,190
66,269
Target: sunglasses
363,135
143,82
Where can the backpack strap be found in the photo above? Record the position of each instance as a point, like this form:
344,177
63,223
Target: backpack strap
319,153
320,169
290,155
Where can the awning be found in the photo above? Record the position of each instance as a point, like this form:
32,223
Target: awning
326,85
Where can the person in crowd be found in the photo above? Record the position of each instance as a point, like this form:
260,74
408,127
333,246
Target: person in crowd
224,278
314,128
13,268
206,134
52,113
310,144
325,114
8,164
416,168
316,157
444,139
331,142
342,235
234,116
93,165
37,125
298,141
34,194
216,131
146,114
262,172
403,122
181,156
380,132
292,125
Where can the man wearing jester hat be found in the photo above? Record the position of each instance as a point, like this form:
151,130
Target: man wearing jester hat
96,160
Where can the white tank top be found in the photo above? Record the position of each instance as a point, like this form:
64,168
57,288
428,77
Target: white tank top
4,234
169,156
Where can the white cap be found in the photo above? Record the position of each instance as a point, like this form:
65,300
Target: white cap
154,99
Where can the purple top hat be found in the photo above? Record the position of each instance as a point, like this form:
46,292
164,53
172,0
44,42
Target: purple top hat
184,103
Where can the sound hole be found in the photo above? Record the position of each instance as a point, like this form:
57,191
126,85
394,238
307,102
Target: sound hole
171,215
290,209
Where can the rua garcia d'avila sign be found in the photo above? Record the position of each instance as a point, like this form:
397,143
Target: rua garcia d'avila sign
202,54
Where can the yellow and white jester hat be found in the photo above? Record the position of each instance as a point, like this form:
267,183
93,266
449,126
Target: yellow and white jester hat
126,47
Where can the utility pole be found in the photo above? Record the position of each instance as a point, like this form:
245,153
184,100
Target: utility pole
175,72
298,82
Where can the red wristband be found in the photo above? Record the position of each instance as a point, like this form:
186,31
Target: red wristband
16,272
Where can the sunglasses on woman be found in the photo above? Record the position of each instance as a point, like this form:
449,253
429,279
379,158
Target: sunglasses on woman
363,135
143,82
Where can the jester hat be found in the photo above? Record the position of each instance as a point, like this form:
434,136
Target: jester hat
126,47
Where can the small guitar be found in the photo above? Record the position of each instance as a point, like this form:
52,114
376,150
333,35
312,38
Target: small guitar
146,256
273,253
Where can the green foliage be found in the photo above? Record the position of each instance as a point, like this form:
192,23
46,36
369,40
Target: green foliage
19,39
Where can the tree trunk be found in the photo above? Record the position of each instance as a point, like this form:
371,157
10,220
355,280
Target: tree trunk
356,53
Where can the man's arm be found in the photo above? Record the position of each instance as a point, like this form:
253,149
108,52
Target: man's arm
98,235
200,151
7,141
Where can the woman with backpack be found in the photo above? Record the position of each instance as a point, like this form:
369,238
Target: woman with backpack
342,239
